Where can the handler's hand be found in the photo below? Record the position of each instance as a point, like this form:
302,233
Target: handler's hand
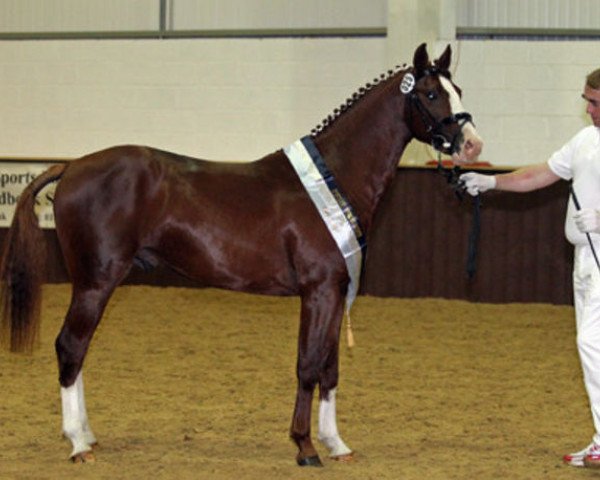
476,183
587,220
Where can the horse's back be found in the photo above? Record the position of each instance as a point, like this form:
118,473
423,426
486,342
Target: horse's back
234,225
147,179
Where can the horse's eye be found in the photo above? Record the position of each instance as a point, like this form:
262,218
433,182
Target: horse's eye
431,95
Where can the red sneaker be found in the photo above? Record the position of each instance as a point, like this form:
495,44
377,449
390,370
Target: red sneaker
580,458
592,459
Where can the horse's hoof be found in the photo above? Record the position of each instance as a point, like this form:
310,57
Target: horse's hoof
346,458
84,457
314,461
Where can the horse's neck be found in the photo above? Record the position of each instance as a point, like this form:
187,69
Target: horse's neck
362,150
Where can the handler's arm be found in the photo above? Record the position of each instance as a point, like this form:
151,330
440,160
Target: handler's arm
526,179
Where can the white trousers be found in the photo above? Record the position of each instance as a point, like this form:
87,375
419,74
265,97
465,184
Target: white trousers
586,289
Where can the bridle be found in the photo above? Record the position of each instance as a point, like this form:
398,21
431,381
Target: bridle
442,143
439,140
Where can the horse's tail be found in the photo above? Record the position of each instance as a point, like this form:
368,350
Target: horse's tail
22,269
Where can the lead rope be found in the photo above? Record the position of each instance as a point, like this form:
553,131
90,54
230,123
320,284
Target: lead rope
474,237
452,176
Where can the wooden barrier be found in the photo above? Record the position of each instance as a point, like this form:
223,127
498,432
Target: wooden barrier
420,240
418,245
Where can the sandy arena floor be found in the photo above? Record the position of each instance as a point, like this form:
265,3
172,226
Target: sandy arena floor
199,384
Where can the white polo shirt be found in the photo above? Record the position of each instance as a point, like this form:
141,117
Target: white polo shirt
579,159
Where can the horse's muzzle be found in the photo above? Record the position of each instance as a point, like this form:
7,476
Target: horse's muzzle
470,146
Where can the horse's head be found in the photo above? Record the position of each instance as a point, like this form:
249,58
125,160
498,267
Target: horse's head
435,111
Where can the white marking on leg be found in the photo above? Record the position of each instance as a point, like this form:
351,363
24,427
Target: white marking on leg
85,425
75,422
328,431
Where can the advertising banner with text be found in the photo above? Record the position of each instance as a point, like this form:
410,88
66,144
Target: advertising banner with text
14,177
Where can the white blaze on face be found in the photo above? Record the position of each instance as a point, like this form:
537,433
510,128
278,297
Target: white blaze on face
455,103
471,145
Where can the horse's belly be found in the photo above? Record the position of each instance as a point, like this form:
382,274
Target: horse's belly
259,268
255,278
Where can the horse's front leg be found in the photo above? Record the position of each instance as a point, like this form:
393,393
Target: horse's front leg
328,430
318,340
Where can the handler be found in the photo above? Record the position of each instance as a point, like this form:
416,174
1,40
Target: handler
578,160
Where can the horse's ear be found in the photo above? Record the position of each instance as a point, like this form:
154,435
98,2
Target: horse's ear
443,63
421,58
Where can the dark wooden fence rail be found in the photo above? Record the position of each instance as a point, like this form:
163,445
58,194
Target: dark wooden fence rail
418,246
420,240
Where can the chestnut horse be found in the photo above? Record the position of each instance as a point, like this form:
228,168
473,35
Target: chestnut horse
242,226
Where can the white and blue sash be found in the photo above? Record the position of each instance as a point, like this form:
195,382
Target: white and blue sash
332,205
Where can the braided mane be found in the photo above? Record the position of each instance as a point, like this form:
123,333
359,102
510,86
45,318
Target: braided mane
356,96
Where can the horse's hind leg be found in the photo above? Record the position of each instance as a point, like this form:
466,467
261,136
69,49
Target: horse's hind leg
72,344
75,421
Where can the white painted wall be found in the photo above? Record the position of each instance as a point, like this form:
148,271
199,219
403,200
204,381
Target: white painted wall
218,99
243,98
525,95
